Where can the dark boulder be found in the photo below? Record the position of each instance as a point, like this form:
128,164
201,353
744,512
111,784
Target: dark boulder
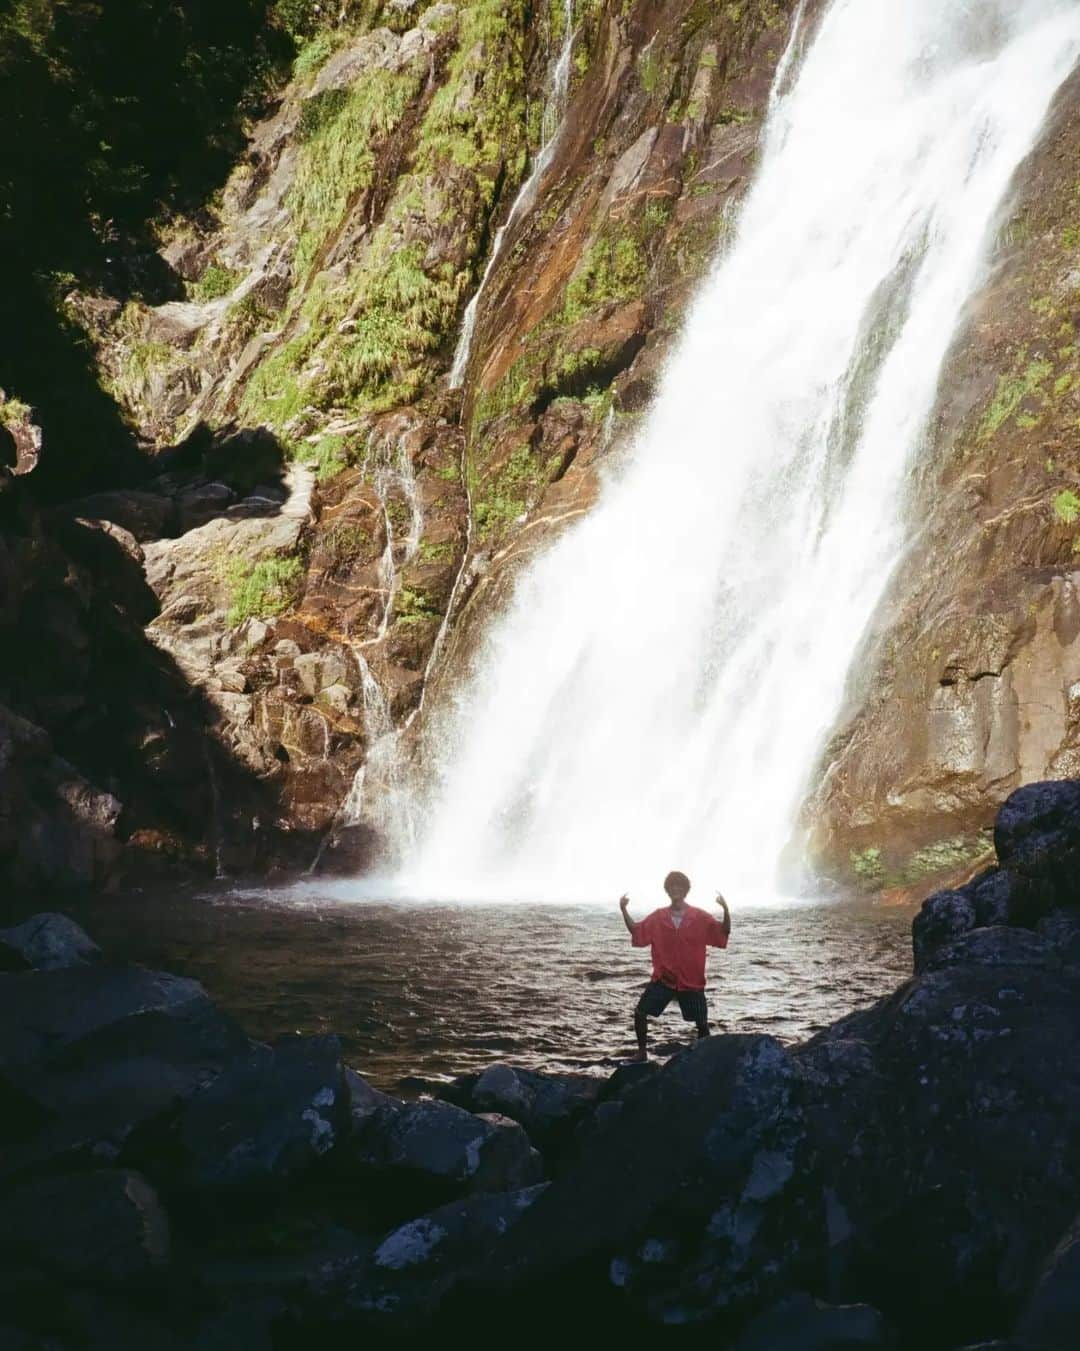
682,1193
417,1265
801,1323
46,942
546,1105
434,1150
100,1051
1051,1319
105,1226
147,516
943,917
267,1117
1037,836
1001,946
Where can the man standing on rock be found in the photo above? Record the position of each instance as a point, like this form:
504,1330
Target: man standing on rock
678,935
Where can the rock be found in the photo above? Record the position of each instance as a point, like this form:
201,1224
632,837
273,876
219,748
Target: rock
1000,946
725,1144
1037,835
1061,928
993,896
267,1117
106,1226
365,1101
99,1052
547,1105
147,516
416,1266
202,503
943,916
435,1149
1051,1318
46,942
801,1323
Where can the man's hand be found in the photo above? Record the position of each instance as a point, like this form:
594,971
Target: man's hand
725,918
624,901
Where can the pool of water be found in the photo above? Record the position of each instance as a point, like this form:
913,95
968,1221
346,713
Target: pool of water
420,992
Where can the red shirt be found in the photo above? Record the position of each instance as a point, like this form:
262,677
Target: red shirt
678,955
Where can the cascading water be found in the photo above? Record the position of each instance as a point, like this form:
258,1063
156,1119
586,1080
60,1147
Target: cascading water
554,107
660,689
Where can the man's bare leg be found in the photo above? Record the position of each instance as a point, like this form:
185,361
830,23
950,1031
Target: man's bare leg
641,1031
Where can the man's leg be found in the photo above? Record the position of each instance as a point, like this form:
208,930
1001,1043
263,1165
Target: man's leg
654,1000
695,1010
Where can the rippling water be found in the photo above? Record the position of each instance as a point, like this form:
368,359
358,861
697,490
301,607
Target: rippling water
421,992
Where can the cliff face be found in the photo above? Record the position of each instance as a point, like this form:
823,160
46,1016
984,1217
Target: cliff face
971,684
326,522
305,569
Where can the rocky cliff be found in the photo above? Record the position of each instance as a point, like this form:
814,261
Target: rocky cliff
319,524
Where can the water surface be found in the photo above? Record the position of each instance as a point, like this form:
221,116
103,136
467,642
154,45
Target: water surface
428,991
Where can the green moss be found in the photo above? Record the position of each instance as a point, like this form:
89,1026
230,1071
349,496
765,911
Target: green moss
431,552
13,412
945,856
345,543
1067,507
214,283
867,866
331,456
509,494
1011,393
367,340
261,590
247,317
341,130
413,607
313,55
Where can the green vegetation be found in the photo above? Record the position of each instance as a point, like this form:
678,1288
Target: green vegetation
331,455
13,412
261,590
344,543
247,317
1067,507
509,494
871,872
1011,393
868,867
365,341
215,282
413,607
431,552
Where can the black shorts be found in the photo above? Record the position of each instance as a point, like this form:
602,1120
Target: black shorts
656,996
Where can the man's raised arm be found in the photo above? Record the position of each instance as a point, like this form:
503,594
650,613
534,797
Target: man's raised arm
624,901
725,918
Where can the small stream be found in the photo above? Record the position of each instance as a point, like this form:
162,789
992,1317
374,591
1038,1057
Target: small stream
421,992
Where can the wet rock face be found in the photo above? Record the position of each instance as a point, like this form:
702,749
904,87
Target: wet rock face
970,686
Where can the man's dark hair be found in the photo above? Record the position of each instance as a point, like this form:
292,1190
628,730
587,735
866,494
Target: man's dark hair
676,884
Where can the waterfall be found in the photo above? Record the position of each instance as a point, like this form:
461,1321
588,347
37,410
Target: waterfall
659,690
554,108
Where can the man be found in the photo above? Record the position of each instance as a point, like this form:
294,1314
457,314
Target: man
678,935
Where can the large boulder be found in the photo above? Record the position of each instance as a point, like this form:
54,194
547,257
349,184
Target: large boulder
267,1117
943,916
101,1227
417,1265
681,1195
1037,836
433,1150
94,1053
46,942
548,1106
801,1323
1051,1318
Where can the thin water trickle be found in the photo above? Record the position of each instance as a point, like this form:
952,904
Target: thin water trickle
554,109
660,688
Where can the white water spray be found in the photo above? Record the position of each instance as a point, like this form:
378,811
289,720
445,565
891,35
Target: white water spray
660,689
554,108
